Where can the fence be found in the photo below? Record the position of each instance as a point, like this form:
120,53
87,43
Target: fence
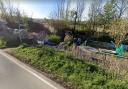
109,61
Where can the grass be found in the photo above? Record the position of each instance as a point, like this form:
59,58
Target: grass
76,74
3,42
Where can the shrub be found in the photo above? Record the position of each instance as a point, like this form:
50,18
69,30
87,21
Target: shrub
3,42
54,38
23,45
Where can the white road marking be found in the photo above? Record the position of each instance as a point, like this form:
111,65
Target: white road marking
40,78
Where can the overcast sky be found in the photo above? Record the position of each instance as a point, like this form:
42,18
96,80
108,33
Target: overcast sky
43,8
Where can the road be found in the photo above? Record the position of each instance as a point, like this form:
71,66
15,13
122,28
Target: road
16,75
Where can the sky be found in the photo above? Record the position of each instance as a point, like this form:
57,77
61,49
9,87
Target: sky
35,8
42,8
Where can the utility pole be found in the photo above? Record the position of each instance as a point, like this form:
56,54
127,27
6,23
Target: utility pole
75,18
20,32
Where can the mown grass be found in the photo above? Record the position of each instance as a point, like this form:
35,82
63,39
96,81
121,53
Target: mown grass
74,73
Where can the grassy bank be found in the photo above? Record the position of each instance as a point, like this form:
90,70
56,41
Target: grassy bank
74,73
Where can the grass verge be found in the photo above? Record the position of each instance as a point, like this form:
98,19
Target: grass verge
75,74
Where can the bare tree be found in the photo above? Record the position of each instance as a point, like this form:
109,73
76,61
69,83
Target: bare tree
95,11
60,9
9,12
80,8
122,6
67,10
3,9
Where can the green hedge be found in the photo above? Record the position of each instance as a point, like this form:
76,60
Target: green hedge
75,73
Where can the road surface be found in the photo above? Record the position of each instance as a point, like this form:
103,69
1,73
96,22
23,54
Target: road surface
16,75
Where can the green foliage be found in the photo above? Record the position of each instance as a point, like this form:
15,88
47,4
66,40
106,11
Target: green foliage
3,42
26,22
78,74
23,45
109,12
54,38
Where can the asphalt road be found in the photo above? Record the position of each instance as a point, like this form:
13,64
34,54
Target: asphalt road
16,75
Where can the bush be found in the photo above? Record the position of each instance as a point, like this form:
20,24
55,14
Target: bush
54,38
3,42
23,45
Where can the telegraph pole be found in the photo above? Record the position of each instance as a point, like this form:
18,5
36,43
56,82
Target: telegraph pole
20,32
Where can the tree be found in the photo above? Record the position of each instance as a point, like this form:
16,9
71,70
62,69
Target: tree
67,10
119,30
60,9
121,6
74,14
3,10
11,14
95,13
80,9
109,13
